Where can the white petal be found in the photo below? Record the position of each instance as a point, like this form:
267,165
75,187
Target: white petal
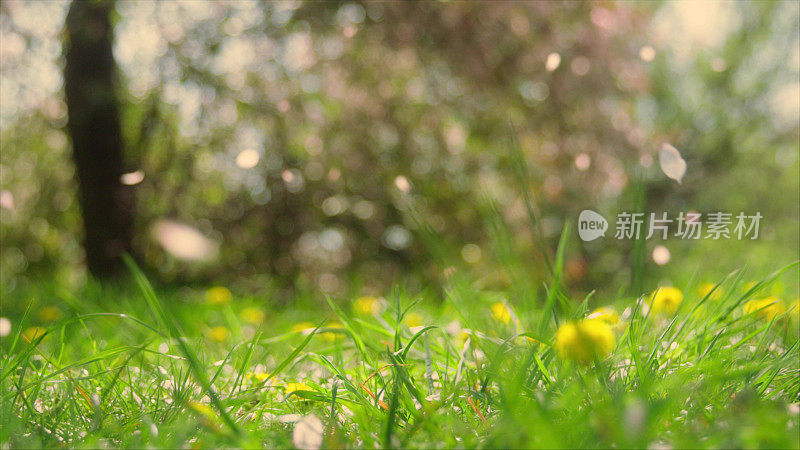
132,178
289,418
671,162
183,241
6,200
308,433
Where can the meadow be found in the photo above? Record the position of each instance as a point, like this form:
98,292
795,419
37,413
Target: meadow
370,224
708,364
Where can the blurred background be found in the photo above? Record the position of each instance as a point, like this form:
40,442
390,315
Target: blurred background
318,146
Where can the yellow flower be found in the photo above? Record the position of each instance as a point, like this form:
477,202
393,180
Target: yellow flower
585,340
253,316
260,376
412,320
795,314
500,312
202,409
330,336
766,308
521,340
219,334
606,314
666,299
706,288
302,326
461,337
367,306
294,387
48,314
206,414
32,333
218,295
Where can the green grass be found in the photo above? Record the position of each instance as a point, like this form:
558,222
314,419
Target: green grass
147,371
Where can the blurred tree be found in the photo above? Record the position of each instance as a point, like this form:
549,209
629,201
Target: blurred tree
305,137
94,125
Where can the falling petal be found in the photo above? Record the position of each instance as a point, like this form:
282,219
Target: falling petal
671,162
553,61
308,433
247,159
288,418
661,255
647,53
6,200
131,178
5,327
183,241
402,183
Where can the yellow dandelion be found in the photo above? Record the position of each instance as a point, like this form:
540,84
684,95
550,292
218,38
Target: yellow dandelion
261,376
521,340
606,314
367,306
203,409
585,340
219,334
218,295
331,336
706,288
766,308
500,312
301,327
32,333
461,337
294,387
48,314
795,314
666,300
412,320
253,316
206,414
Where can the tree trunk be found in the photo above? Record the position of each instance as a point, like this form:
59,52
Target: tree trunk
94,125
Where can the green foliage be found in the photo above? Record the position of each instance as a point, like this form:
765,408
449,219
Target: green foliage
710,376
434,148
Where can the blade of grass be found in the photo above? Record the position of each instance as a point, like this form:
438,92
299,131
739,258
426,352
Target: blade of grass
174,330
548,310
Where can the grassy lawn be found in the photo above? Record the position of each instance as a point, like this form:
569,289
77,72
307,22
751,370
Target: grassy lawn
128,366
393,224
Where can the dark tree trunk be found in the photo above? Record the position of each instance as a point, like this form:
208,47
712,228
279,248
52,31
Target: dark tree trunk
94,125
